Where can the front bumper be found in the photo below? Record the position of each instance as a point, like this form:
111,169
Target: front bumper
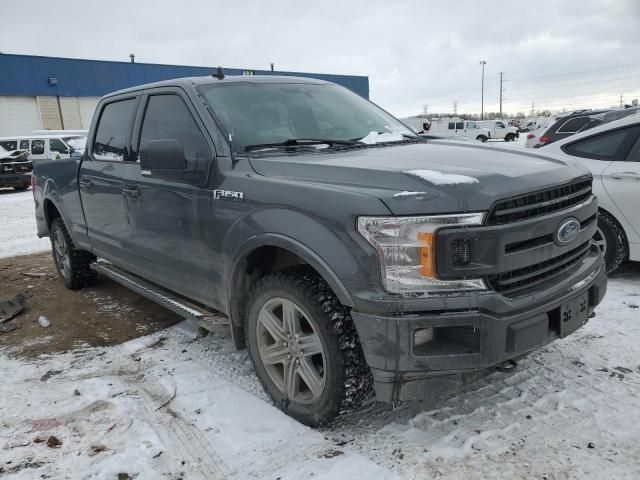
489,331
14,179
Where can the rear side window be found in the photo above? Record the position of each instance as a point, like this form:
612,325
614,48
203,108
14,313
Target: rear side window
634,153
452,126
37,147
459,125
602,147
112,135
574,125
168,118
24,144
9,144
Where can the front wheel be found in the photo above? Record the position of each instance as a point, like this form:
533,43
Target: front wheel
304,347
611,240
72,264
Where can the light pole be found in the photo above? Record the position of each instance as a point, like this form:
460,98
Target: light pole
483,63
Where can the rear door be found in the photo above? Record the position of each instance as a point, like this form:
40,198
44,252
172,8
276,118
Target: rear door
622,180
101,177
170,218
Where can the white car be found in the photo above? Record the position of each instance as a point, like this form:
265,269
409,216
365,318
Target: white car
612,153
500,130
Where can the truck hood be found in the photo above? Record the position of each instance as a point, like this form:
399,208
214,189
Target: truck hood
434,177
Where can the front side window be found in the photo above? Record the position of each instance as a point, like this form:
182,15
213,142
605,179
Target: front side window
37,147
604,146
500,125
24,144
112,136
471,125
57,145
168,118
270,113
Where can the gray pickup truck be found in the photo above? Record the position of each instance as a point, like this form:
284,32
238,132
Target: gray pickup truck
348,254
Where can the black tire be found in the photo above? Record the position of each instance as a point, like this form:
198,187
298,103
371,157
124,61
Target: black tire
510,137
22,188
75,269
612,240
347,379
482,138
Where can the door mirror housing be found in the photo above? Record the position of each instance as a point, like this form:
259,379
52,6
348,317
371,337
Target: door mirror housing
162,155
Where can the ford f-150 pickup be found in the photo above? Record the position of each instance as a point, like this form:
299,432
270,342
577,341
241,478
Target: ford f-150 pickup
347,253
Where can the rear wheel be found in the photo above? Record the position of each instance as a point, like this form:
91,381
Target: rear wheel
611,240
72,264
23,187
305,348
482,138
510,137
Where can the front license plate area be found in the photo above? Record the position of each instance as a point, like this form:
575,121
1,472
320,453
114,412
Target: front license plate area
574,314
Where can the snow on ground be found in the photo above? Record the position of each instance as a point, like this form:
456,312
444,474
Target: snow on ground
18,224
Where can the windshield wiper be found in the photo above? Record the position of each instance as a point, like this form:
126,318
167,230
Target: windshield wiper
299,142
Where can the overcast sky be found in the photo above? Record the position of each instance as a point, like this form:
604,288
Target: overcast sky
415,53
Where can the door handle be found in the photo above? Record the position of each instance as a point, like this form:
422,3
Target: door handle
86,182
626,175
131,191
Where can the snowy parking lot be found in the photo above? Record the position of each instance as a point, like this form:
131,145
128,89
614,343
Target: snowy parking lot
171,405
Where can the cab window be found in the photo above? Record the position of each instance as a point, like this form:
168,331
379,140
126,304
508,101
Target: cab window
167,117
24,144
111,142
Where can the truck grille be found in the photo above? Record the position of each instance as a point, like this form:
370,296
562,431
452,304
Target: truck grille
539,203
514,281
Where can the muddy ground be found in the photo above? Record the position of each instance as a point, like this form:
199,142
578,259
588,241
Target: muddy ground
106,314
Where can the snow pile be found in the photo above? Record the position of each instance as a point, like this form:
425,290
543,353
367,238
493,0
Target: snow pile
18,225
154,408
406,194
441,178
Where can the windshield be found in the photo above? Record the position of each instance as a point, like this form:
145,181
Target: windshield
271,113
77,143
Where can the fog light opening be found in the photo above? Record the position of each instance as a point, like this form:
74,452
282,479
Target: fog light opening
439,341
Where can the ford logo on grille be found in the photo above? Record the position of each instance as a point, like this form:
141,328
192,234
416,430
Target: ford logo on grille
568,231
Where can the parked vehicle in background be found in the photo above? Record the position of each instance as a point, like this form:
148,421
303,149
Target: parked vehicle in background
419,123
46,147
15,169
612,153
580,121
533,123
500,130
344,250
457,127
537,129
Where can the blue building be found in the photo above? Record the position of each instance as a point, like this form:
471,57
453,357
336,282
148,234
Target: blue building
54,93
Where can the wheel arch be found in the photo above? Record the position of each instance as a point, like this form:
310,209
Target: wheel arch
269,253
620,224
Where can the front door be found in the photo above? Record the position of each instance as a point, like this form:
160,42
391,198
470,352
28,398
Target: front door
101,179
170,219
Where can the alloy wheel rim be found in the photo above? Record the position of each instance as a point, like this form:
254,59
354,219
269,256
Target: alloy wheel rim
600,240
61,254
291,350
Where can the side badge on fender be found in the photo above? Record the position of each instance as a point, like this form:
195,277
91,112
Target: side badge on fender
228,195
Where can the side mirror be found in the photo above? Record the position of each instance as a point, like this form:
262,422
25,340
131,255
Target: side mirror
162,155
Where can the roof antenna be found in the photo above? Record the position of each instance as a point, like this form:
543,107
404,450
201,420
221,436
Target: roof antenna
219,73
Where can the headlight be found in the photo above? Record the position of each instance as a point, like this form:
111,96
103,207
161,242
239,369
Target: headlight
406,246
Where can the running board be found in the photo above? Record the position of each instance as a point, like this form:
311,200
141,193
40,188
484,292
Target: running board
206,319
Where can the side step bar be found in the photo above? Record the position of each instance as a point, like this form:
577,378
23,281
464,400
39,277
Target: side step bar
206,319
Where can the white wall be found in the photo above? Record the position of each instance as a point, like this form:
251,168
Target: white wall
19,116
23,115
